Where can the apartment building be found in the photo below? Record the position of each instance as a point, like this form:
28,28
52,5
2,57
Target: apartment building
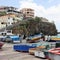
9,10
27,12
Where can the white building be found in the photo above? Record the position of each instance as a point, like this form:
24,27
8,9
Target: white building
9,19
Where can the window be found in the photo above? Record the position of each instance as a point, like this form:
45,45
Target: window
9,31
27,12
4,34
2,23
8,17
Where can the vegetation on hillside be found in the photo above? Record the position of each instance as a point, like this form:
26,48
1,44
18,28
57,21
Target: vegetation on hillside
2,13
33,26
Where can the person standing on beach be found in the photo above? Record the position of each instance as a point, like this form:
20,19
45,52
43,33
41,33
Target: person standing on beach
42,38
21,38
49,37
46,37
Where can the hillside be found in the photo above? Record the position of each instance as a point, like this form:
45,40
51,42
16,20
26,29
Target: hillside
33,26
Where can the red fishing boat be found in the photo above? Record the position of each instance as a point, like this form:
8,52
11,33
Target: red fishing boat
1,44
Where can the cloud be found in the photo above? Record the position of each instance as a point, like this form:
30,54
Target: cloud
50,1
51,13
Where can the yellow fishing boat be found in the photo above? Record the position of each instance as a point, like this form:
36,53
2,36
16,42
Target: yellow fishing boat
56,38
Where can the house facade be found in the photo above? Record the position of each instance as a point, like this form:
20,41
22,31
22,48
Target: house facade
9,19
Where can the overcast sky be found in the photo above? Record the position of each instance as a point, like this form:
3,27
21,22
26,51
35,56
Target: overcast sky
49,9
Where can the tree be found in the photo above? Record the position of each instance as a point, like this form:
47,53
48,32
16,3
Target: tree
35,25
2,13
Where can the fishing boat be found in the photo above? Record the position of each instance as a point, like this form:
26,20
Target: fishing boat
54,54
42,51
1,44
34,38
55,38
33,50
22,47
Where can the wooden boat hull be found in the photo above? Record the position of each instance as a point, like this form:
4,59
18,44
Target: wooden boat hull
34,40
32,50
55,39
